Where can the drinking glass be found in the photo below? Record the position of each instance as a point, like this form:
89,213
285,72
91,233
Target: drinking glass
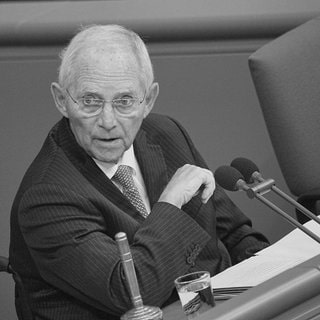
195,293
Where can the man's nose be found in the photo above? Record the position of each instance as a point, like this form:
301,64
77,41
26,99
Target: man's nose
107,117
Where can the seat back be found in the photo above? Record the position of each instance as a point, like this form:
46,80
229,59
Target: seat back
4,265
22,304
286,75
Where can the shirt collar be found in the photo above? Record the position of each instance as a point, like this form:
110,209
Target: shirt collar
128,158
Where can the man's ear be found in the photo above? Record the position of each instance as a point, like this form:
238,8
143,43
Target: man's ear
151,97
59,98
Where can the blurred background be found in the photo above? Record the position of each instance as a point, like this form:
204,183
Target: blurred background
200,53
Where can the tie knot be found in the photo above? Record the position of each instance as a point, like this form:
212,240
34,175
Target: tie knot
123,176
124,170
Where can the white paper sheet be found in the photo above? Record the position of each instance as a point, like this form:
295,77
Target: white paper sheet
293,249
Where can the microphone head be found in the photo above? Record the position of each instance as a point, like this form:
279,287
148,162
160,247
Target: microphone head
227,177
246,168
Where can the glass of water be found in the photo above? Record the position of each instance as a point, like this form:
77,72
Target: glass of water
195,293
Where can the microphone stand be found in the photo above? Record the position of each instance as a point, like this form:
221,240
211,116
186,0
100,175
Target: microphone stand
265,186
257,177
139,311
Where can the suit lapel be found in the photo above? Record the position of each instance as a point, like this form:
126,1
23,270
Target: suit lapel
152,165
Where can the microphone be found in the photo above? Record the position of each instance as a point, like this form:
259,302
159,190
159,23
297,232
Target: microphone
252,175
232,179
248,168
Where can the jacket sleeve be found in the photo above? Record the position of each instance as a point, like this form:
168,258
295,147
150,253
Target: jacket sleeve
234,228
67,237
311,201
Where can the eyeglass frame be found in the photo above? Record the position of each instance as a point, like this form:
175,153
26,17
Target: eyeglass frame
103,101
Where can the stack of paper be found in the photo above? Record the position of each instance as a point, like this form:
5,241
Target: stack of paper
293,249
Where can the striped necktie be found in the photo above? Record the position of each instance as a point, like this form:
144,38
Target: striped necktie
123,176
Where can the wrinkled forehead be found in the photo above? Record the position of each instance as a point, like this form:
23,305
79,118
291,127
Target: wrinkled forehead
108,59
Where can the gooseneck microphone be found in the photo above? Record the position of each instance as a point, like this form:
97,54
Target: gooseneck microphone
248,169
251,174
232,179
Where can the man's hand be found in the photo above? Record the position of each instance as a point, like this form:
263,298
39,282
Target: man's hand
186,183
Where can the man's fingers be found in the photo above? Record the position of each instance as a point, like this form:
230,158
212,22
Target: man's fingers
207,187
187,182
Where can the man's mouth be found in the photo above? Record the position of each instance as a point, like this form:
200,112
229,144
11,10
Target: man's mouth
110,140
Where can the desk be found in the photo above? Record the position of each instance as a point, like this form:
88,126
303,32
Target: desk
285,281
293,294
174,311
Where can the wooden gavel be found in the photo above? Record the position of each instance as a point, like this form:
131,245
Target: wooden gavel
139,311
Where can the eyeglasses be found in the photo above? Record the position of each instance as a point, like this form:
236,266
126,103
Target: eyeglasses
91,106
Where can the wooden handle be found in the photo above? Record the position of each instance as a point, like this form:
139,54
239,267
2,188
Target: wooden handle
128,266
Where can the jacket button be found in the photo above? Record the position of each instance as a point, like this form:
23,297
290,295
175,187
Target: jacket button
190,260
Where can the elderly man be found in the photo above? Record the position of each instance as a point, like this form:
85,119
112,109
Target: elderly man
110,165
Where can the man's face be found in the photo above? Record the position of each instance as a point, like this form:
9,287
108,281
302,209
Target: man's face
106,76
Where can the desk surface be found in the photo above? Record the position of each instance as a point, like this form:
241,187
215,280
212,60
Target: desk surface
299,259
174,311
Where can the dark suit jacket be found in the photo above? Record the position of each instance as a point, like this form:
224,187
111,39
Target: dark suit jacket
67,212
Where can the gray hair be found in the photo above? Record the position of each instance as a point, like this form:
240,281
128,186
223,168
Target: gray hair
104,34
